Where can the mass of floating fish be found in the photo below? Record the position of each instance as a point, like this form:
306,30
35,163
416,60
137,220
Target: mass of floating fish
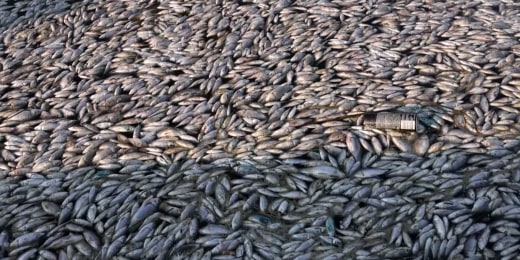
223,130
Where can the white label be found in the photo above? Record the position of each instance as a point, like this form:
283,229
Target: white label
407,125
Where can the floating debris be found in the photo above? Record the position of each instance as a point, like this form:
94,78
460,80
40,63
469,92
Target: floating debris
387,120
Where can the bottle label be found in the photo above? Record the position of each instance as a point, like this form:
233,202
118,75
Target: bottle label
399,121
408,121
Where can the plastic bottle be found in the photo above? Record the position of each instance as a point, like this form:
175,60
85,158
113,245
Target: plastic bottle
390,120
